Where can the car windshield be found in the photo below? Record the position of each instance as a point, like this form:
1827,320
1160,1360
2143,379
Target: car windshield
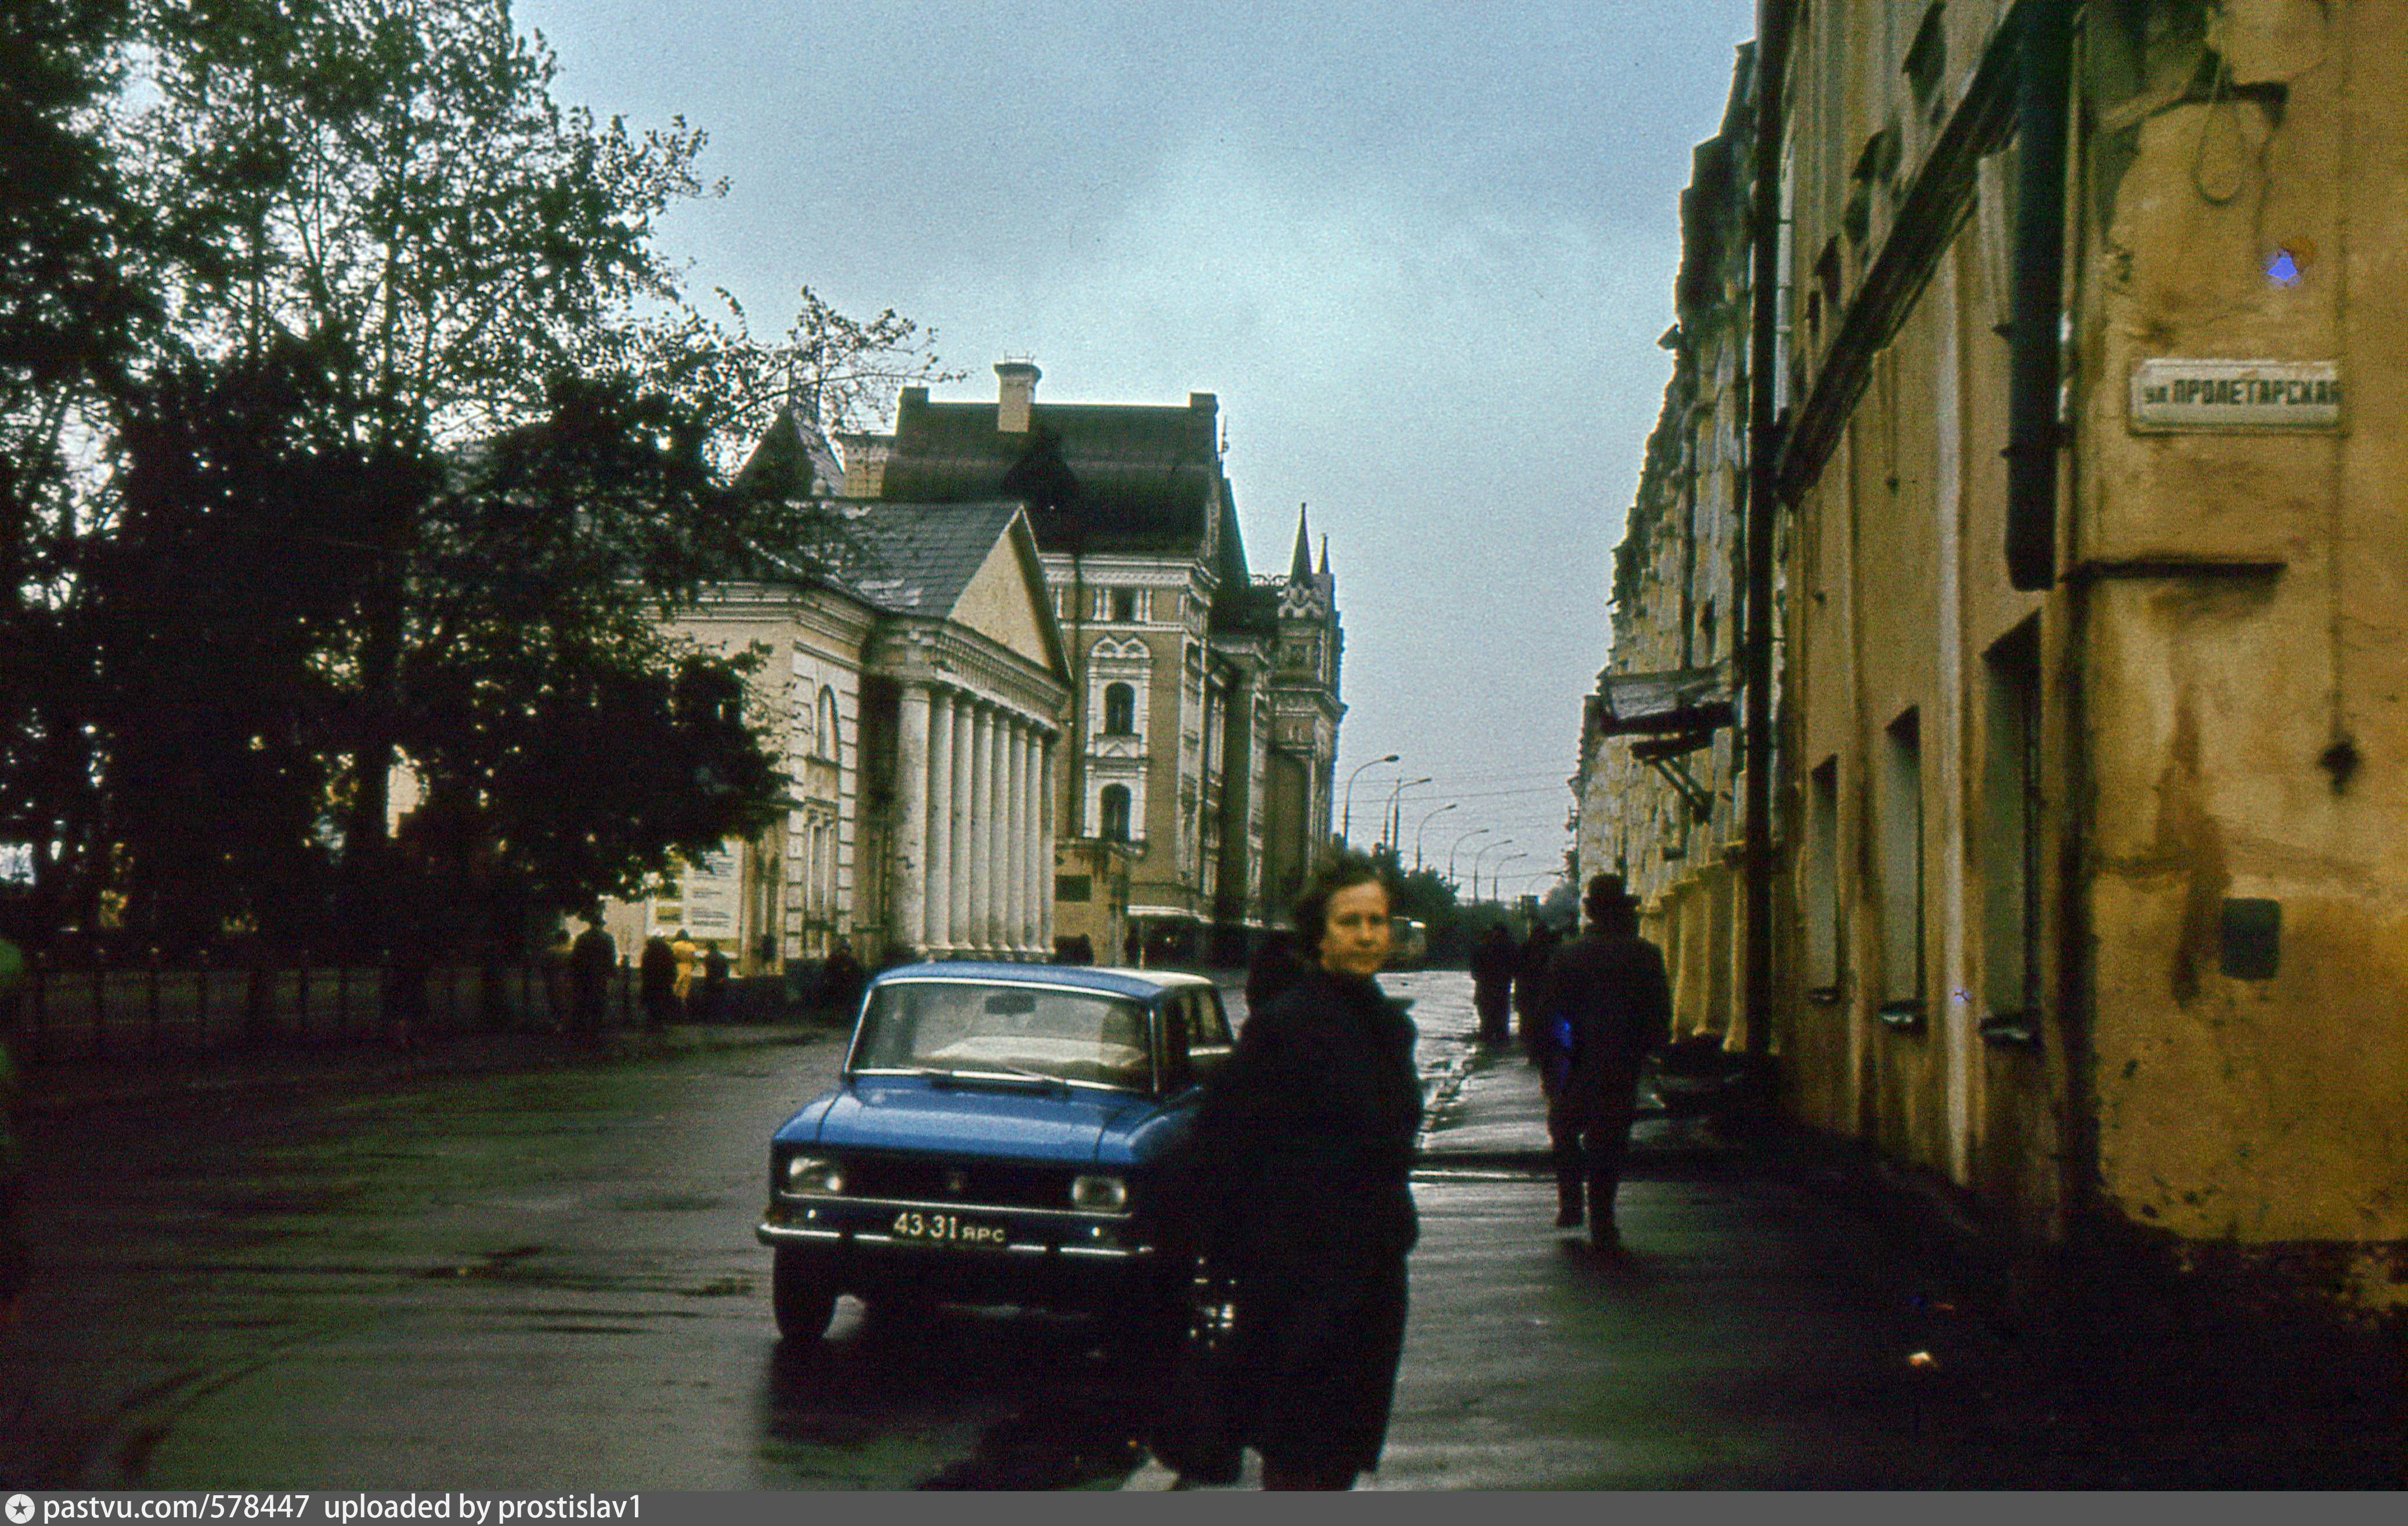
962,1028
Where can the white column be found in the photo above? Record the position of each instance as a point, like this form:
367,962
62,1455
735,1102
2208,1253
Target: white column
1047,807
939,940
1033,845
1015,838
999,823
906,918
958,895
980,826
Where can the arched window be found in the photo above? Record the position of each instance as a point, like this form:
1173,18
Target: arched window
1116,813
828,729
805,714
1120,710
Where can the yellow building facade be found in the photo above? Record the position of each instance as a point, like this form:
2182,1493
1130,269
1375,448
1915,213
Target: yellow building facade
2091,882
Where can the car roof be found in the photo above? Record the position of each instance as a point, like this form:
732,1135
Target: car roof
1118,982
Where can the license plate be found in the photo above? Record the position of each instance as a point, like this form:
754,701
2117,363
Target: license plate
948,1229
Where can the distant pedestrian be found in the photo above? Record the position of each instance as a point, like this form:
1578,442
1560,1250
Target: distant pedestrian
1492,959
592,960
1606,1002
656,974
715,971
841,980
687,952
1529,975
1297,1182
1077,949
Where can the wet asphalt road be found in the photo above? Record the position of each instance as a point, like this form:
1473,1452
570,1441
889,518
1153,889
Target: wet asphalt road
507,1282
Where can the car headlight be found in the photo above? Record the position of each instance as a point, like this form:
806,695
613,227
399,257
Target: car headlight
1098,1194
816,1175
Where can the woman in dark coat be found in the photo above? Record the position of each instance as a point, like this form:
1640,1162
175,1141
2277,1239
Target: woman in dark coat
1302,1155
1492,959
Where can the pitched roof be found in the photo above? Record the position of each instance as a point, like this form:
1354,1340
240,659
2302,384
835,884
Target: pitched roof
787,459
1098,477
916,558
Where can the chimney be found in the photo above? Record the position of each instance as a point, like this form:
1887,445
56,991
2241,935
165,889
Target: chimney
1015,390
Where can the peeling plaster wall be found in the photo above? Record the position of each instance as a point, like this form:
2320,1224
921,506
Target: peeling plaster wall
2262,1111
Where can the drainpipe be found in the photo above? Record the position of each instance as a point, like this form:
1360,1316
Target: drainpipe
2043,88
1773,22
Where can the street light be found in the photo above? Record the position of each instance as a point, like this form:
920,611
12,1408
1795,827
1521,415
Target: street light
1475,832
1497,878
1346,822
1388,835
1423,827
1501,841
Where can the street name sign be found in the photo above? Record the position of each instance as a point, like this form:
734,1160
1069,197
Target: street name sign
2170,394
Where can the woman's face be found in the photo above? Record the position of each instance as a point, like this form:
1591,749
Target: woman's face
1354,938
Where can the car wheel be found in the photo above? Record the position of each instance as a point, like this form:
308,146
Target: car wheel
802,1294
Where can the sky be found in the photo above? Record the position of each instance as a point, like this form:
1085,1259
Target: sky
1422,254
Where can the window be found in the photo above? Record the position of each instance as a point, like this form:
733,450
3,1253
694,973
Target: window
2008,831
1899,789
1822,888
1126,606
1116,813
1120,710
830,738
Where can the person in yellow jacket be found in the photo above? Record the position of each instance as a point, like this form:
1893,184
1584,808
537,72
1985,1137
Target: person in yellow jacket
687,952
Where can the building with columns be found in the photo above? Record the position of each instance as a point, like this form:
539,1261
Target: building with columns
1203,714
918,683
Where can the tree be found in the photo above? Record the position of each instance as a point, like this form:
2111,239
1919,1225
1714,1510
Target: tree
69,320
418,440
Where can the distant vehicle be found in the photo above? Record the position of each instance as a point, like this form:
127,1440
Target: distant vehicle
995,1138
1409,943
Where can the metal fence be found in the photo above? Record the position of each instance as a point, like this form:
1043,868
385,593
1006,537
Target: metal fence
87,1014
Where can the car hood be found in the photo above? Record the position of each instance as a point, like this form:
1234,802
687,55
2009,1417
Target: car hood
911,1114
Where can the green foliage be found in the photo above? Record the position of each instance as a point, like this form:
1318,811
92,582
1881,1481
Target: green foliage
355,420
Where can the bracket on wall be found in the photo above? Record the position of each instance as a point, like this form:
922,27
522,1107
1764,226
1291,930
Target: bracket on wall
1663,754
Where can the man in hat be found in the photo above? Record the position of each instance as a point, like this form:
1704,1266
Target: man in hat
1606,1002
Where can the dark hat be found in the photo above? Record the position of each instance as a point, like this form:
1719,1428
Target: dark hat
1606,897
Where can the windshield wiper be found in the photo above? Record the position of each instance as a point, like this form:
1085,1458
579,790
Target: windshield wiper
998,1073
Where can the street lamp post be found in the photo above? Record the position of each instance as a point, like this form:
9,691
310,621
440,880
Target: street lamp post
1475,832
1388,833
1497,878
1346,821
1501,841
1425,827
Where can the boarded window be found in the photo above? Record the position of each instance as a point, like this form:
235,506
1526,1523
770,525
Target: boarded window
1076,889
1899,823
2010,828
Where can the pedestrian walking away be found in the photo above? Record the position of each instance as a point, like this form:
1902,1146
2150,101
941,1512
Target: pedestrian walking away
592,958
1492,959
687,952
656,970
1296,1179
1529,975
715,971
1606,1002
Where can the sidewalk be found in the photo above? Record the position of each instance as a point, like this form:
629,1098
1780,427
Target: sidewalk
1771,1324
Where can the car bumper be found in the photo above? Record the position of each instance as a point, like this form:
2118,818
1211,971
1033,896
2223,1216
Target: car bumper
1051,1257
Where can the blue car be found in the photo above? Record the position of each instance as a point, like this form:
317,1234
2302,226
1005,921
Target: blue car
996,1138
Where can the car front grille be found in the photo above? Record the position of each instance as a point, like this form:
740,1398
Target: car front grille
1001,1184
